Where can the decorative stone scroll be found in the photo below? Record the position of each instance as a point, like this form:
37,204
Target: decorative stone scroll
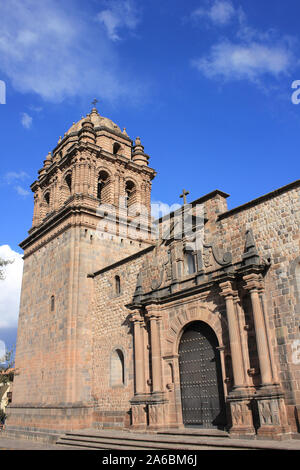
212,259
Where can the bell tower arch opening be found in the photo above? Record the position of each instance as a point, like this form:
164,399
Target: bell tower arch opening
130,192
103,180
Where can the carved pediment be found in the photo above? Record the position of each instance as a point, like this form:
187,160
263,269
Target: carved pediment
166,264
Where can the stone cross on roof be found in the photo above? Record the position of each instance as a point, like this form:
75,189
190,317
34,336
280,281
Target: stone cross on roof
184,195
95,101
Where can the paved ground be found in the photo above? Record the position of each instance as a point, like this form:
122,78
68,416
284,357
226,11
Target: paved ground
23,444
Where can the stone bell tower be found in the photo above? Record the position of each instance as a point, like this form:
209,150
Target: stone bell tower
94,164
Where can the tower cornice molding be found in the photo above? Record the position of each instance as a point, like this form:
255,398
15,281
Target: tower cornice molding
78,207
96,153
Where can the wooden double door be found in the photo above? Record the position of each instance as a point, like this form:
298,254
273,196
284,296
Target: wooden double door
201,383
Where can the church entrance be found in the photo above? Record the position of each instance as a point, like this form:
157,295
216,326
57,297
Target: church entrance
201,383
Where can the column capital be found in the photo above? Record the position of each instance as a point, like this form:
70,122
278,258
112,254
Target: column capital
153,311
253,282
227,289
136,317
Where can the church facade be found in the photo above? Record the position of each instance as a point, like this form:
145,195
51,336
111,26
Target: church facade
189,321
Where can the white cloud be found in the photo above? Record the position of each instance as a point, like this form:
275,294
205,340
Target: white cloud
252,56
58,52
237,61
111,23
10,288
12,176
220,12
26,120
119,15
21,191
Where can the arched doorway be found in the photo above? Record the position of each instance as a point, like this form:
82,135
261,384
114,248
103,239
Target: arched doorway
202,393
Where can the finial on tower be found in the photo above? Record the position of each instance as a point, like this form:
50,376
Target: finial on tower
138,155
48,160
94,102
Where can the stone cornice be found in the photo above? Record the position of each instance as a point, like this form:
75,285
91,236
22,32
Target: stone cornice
261,199
198,201
123,261
54,219
223,279
148,299
77,208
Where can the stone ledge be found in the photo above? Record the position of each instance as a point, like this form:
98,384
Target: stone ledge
259,200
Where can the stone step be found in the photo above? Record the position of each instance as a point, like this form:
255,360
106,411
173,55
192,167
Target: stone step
195,432
115,444
88,443
120,440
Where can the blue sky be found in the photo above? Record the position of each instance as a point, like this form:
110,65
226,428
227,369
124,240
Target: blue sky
206,84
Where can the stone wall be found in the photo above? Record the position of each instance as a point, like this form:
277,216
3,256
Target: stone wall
41,354
54,347
112,330
275,221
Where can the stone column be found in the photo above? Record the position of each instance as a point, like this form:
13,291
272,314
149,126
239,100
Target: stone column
138,353
76,177
271,355
138,406
154,317
157,404
85,177
239,398
35,219
269,398
93,180
234,336
56,191
253,286
81,173
244,341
